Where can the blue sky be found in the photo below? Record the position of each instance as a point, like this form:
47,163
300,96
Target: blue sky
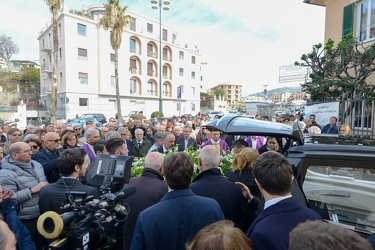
242,41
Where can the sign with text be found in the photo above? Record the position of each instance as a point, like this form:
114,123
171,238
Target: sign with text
323,112
179,93
292,73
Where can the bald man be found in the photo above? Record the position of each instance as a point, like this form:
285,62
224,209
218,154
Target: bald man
47,156
150,189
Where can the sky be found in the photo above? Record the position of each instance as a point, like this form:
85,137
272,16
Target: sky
243,41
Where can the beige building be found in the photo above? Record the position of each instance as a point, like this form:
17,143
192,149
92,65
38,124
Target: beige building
233,93
86,78
349,16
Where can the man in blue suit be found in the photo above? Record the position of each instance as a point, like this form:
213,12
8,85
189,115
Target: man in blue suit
179,215
271,228
209,183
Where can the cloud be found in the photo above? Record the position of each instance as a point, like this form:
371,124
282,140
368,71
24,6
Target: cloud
243,41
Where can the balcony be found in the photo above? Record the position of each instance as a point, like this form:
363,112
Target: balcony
47,68
135,51
167,58
46,47
135,71
152,74
151,54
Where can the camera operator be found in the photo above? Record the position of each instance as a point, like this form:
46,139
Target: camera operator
72,164
114,146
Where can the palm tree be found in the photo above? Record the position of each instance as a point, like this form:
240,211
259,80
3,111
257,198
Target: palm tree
54,6
115,20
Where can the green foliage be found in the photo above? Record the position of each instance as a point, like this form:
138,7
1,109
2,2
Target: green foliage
135,116
336,71
219,92
157,114
226,163
80,13
204,94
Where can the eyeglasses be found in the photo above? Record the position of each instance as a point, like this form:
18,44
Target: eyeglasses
56,140
77,129
203,128
34,147
16,134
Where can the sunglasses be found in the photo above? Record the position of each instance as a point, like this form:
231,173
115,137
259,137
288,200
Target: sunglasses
16,134
34,147
77,129
56,141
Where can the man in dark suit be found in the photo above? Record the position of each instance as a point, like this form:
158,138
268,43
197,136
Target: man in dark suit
72,164
150,189
209,183
186,141
47,156
270,229
168,143
180,212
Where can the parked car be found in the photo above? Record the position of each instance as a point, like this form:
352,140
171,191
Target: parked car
211,113
338,179
98,116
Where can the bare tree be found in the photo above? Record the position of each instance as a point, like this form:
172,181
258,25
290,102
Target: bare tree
8,48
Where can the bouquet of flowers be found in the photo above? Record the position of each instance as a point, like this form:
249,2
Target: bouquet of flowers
226,162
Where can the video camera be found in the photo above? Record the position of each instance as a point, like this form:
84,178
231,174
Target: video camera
91,225
88,224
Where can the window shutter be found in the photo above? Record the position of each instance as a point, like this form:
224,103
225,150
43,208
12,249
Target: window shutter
347,22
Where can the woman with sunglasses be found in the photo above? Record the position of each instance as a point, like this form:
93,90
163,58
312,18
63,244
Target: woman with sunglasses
35,145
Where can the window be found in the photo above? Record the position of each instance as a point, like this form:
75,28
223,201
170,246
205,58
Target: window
83,102
193,75
133,86
149,27
61,78
192,106
132,45
150,89
132,24
150,69
60,54
83,78
365,19
113,81
181,55
193,90
165,35
133,66
112,58
165,54
59,29
81,29
181,72
165,72
82,54
193,59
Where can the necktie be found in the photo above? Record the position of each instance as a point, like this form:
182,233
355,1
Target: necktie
139,145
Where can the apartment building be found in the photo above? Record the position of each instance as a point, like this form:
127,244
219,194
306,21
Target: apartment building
86,77
349,16
233,93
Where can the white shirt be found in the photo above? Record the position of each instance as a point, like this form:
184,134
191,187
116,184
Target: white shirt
275,200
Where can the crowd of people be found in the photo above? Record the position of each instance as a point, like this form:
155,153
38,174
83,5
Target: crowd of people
259,205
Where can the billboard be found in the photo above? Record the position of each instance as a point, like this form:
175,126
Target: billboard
293,73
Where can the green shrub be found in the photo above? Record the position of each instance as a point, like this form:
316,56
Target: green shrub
157,114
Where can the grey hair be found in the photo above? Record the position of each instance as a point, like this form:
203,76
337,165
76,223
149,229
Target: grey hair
210,157
167,134
29,136
121,129
112,134
89,132
154,160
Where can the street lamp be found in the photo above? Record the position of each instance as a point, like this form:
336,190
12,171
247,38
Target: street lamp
160,4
